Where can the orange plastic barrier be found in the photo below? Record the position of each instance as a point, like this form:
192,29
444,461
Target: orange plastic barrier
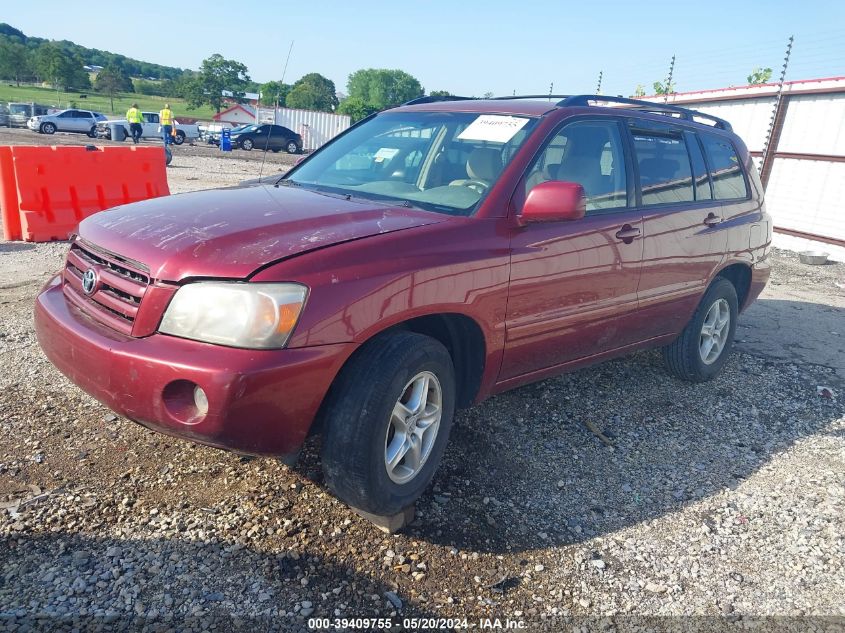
46,191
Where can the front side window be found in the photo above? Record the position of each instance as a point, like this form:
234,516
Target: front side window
440,161
725,170
664,165
589,153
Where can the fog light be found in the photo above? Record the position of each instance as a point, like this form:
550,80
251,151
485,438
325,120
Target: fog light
200,400
185,401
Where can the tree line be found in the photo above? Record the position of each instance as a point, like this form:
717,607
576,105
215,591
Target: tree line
27,58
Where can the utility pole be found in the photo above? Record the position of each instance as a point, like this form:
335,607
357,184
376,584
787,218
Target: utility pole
669,80
776,122
598,87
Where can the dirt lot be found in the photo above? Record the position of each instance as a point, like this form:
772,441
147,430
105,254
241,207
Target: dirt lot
719,499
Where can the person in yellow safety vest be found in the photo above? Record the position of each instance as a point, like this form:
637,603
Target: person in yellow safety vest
136,119
165,119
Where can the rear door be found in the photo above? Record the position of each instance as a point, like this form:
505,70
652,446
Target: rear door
573,284
278,138
740,211
86,120
684,240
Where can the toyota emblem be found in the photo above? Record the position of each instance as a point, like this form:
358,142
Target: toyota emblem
89,281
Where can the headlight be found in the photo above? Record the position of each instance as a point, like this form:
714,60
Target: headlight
236,314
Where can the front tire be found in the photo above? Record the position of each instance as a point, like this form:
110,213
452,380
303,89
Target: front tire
388,417
179,138
48,128
703,347
247,144
92,133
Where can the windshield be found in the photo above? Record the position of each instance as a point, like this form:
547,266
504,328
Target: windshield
440,161
243,128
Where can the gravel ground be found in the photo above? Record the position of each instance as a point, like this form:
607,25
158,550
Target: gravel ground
725,499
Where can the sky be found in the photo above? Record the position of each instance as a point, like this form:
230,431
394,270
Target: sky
468,47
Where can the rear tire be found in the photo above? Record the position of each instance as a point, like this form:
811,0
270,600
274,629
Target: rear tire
378,451
292,148
704,345
179,138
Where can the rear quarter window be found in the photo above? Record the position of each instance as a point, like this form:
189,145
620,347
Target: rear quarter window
725,168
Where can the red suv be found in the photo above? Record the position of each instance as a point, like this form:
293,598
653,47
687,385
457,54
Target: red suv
429,257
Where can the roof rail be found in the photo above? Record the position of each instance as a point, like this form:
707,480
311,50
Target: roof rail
530,97
645,106
435,99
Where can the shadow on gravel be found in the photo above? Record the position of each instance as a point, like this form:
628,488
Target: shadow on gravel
523,471
15,247
47,581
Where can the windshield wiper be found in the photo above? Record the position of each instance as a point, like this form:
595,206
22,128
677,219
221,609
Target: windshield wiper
287,183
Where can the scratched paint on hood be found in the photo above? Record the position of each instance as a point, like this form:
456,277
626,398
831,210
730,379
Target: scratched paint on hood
230,233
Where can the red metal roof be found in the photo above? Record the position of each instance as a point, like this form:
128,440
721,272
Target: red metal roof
237,106
746,87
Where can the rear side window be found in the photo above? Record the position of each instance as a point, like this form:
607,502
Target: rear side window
725,170
665,172
589,153
699,169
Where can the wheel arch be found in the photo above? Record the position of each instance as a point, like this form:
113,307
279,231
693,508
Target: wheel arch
739,274
462,337
464,340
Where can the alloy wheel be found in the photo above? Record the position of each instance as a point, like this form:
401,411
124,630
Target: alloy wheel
412,430
714,331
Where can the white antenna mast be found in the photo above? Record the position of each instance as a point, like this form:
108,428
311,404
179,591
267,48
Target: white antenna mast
275,105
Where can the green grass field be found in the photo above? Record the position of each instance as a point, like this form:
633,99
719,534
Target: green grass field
99,102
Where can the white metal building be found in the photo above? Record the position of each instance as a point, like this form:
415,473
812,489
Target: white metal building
316,128
804,170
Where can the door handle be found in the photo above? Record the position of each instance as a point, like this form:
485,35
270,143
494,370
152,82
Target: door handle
712,220
627,233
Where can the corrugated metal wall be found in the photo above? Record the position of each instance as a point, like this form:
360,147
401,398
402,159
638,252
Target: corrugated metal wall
749,118
815,124
316,128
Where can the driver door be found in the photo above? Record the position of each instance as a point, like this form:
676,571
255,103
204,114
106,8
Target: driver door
573,288
260,137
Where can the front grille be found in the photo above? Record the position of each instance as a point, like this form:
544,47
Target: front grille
118,292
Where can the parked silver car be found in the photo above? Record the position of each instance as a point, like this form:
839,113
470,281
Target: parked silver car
83,121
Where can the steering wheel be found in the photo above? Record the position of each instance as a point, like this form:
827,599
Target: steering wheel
472,183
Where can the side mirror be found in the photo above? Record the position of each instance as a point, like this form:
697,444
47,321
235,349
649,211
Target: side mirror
554,201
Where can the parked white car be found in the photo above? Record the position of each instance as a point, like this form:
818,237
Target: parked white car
151,128
82,121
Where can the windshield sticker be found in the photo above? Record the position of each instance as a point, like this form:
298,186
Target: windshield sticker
385,153
493,128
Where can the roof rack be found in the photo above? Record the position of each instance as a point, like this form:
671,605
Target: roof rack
530,97
645,106
435,99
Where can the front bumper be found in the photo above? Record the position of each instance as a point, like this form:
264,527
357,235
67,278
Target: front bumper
33,125
260,402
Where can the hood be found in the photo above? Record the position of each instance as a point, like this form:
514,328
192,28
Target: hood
230,233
